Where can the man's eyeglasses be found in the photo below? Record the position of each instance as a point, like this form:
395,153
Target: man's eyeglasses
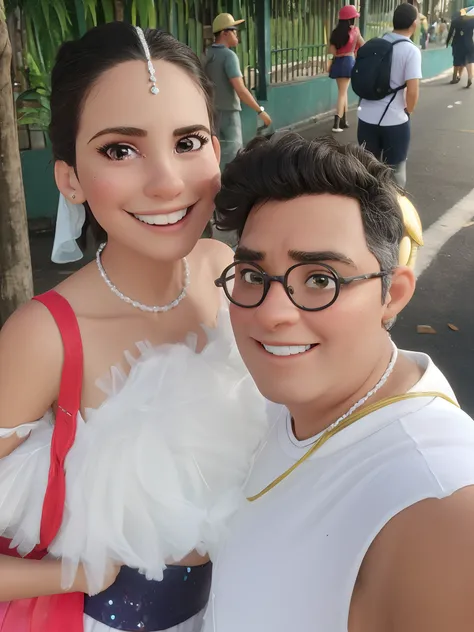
310,286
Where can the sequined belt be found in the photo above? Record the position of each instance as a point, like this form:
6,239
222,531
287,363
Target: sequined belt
134,603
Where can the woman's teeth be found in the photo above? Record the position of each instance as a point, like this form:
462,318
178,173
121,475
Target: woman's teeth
286,351
163,220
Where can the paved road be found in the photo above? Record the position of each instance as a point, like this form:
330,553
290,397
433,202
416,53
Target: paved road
441,173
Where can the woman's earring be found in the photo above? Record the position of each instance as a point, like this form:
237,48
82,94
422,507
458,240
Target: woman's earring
73,196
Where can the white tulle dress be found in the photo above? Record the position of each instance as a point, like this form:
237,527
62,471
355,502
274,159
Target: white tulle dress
155,472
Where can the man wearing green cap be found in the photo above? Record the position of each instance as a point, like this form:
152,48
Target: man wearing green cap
223,68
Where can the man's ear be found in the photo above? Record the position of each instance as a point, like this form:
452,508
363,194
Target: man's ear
402,288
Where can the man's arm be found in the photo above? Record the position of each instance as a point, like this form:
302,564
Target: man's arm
412,78
244,93
412,94
246,97
423,568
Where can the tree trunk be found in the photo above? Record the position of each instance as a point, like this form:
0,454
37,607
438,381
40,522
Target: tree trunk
119,10
16,283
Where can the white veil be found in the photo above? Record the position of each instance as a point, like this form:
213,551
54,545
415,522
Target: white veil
69,222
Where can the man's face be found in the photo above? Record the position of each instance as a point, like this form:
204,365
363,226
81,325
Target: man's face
232,37
343,340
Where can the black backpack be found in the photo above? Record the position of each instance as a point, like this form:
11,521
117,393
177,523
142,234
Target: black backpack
371,72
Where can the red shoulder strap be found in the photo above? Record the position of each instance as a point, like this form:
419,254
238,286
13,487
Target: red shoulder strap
69,402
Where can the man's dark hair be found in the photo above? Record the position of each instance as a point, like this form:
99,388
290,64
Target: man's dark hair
404,16
288,166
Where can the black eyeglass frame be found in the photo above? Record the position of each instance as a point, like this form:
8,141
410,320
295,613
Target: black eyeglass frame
269,279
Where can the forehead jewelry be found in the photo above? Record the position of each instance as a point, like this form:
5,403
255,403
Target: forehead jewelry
151,69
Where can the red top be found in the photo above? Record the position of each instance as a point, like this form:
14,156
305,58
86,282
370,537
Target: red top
352,43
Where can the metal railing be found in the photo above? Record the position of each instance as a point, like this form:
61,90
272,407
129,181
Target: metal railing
291,64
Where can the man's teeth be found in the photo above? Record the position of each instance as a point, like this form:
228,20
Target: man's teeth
286,351
163,220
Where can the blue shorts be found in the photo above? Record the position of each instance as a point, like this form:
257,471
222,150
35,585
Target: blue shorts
389,143
341,67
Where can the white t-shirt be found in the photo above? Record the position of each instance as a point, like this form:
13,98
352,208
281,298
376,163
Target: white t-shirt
292,557
406,65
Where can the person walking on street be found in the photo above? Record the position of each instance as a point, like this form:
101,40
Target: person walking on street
344,42
461,34
384,123
223,69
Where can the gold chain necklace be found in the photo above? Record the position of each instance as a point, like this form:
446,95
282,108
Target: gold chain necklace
345,423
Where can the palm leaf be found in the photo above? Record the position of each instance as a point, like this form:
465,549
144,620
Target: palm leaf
90,9
152,15
143,11
108,10
133,13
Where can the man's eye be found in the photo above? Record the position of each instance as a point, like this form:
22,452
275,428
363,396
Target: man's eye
191,143
252,277
320,282
117,151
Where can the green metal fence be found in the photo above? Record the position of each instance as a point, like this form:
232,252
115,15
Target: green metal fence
379,18
300,31
299,35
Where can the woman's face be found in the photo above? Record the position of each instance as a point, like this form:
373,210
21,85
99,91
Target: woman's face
146,164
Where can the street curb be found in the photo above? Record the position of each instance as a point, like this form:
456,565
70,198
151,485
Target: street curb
442,75
300,126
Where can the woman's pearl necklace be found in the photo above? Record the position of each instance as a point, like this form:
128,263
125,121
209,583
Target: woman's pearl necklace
145,308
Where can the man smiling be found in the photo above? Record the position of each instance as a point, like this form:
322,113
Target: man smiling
360,509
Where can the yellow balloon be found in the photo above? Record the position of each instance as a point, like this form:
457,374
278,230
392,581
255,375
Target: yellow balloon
413,233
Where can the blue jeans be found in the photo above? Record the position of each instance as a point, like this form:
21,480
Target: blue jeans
388,143
229,132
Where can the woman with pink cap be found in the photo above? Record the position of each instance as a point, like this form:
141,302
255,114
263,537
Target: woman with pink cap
344,43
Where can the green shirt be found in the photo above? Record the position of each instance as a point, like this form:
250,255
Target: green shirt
221,65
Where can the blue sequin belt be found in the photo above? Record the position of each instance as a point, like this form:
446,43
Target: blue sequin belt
134,603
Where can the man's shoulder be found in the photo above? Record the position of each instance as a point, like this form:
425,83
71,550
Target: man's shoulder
223,51
421,565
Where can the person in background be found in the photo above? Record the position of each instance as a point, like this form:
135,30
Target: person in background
343,45
461,34
222,66
424,31
442,31
384,125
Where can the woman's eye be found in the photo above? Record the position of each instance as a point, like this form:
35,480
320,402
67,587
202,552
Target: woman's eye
117,151
191,143
252,277
320,282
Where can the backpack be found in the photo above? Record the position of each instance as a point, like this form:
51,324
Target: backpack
371,72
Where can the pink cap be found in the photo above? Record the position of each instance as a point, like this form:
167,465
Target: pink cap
348,12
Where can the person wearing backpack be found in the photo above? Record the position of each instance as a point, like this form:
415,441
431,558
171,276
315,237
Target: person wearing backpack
344,42
386,77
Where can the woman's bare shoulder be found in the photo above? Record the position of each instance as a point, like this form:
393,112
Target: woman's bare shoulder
31,356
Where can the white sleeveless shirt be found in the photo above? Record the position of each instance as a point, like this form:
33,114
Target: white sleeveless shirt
293,556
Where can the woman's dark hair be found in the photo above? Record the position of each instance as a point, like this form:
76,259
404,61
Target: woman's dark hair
288,166
340,35
80,63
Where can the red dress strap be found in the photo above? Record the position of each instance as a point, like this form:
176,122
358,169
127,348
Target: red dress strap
69,403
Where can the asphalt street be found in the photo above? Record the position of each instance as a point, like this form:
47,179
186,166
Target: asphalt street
440,175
